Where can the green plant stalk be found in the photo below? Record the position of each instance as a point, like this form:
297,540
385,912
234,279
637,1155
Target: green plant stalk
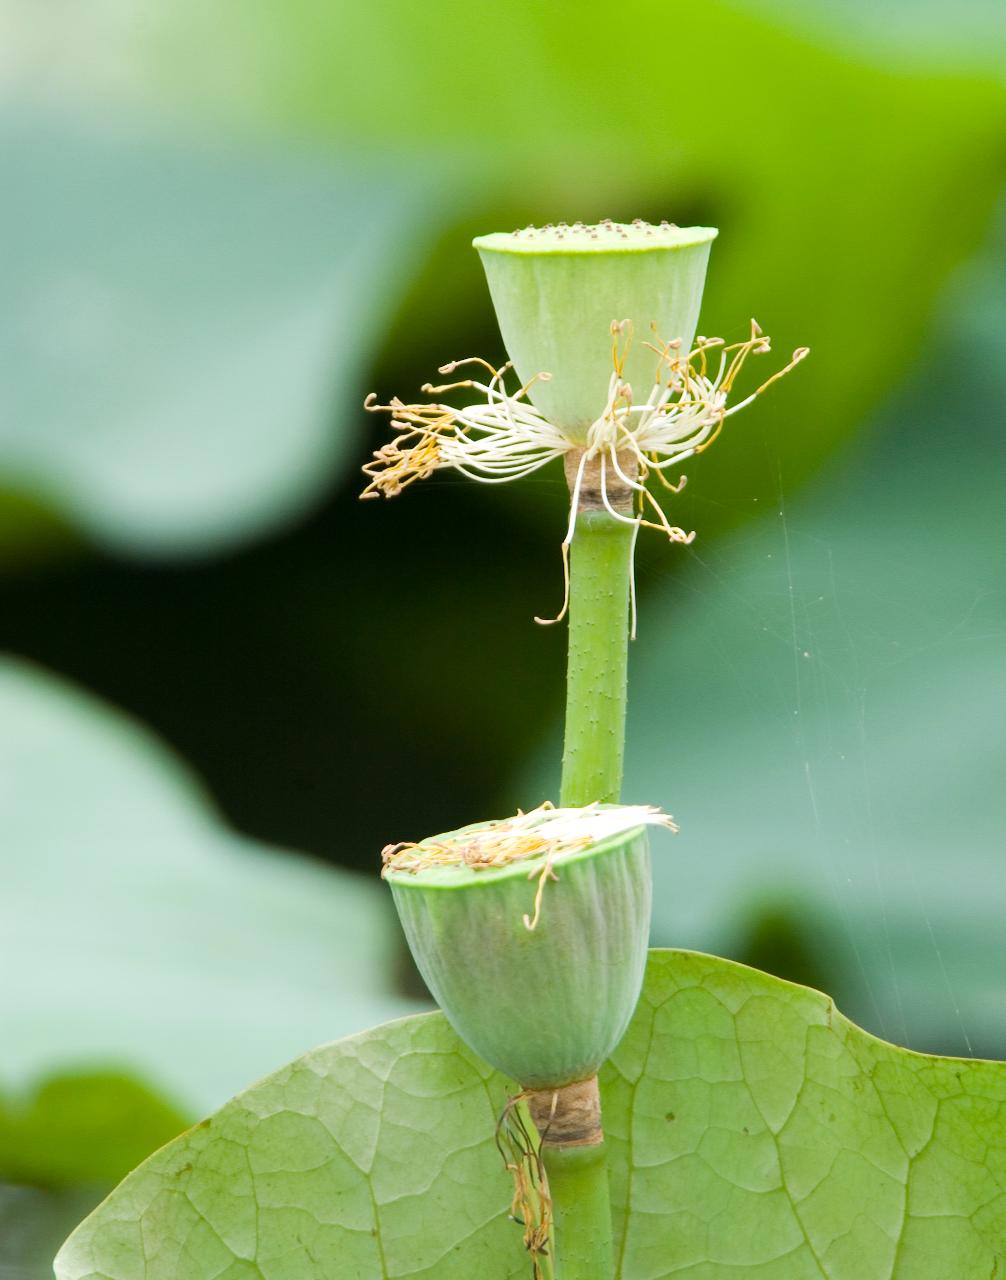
593,752
600,559
581,1205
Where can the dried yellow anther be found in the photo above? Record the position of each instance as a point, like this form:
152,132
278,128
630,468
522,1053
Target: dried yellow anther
543,837
504,437
531,1205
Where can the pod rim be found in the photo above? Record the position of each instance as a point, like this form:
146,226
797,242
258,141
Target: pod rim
600,239
463,877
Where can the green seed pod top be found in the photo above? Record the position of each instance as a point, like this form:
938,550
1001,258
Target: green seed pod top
557,291
532,940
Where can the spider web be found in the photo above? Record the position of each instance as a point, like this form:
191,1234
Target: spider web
827,716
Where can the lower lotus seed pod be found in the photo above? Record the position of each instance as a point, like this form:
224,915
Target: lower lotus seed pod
531,933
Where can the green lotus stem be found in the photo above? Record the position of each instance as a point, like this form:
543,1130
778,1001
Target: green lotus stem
576,1164
593,752
581,1204
586,315
600,562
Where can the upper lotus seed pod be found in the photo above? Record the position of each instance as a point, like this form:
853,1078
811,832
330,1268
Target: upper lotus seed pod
531,933
557,291
600,324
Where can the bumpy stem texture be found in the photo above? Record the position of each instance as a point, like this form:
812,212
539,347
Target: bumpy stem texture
598,656
596,682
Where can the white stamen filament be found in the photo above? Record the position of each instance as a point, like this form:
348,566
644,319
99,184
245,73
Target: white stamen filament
545,832
504,437
540,839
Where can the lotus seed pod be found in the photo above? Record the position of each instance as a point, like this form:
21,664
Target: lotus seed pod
537,961
557,291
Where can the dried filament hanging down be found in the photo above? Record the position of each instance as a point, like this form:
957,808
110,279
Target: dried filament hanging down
503,437
531,1206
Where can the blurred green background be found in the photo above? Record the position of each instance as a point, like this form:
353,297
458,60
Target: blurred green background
224,224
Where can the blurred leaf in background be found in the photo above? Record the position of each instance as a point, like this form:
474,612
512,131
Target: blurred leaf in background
214,304
148,939
819,701
33,1222
79,1128
848,183
225,224
904,33
158,962
184,326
